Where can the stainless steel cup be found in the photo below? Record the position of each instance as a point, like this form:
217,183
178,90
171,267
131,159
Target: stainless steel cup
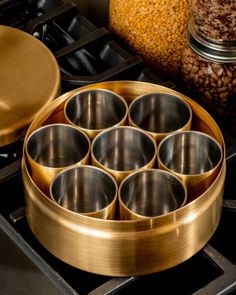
87,190
52,148
193,156
160,114
122,150
95,110
150,193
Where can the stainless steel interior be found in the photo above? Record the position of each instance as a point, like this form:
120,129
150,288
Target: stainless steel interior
123,148
95,109
83,189
152,192
189,152
57,145
159,112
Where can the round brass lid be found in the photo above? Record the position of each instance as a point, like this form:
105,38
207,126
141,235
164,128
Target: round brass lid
29,79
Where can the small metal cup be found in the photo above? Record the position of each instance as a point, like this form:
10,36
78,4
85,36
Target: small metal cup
52,148
123,150
193,156
95,110
86,190
160,114
150,193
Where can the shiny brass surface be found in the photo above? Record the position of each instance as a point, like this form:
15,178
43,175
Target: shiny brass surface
160,114
29,80
123,150
125,247
87,190
52,148
95,110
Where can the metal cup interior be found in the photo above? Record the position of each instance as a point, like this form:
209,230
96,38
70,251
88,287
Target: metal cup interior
57,145
84,189
190,153
159,113
123,148
151,193
96,109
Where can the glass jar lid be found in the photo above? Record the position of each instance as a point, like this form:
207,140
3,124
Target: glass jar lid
224,52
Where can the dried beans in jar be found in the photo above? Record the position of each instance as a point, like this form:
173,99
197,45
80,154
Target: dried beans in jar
215,19
209,71
153,29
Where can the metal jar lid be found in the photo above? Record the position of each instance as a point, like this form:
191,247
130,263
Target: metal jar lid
29,79
220,52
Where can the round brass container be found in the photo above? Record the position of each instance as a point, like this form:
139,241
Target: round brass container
30,79
125,247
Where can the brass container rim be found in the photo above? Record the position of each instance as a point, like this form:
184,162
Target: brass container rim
197,174
27,139
119,225
163,134
123,172
88,130
87,214
150,170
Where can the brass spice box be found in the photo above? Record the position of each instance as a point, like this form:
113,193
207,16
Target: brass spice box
125,247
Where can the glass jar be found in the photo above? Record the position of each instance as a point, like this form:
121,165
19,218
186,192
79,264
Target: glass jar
215,19
153,29
209,72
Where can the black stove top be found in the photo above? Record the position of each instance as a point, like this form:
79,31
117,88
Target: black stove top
88,54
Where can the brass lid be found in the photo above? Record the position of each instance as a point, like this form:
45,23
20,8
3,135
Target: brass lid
29,79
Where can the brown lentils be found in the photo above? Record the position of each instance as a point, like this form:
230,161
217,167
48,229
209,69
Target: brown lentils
153,29
214,83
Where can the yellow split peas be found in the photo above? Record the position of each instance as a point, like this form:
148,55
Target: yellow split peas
154,29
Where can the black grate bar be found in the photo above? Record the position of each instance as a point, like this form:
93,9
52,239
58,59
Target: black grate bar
82,42
68,8
113,286
109,74
54,277
231,152
17,215
229,205
10,170
225,283
9,4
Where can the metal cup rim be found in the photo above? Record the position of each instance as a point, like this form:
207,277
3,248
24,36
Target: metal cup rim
190,175
123,171
88,214
140,216
28,156
162,134
97,131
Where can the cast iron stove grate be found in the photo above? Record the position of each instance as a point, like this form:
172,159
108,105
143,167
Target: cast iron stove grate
85,55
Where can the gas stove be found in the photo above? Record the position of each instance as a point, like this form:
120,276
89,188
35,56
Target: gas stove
88,54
